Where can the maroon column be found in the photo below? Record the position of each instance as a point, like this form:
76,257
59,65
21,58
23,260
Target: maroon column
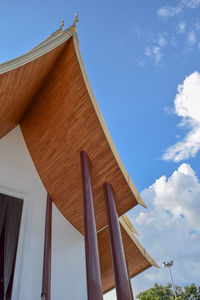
123,288
129,281
46,279
94,287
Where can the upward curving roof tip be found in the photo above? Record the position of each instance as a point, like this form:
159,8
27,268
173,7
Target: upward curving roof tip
48,93
53,41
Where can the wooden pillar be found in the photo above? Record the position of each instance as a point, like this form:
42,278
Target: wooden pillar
129,280
46,279
94,287
122,281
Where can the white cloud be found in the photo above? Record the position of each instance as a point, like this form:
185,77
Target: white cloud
192,38
148,52
178,195
171,11
181,27
191,3
162,41
187,106
157,54
154,52
170,228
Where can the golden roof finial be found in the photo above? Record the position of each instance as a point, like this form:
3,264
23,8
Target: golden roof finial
75,21
61,26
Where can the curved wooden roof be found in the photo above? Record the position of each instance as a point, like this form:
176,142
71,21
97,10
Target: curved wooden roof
48,93
137,258
22,77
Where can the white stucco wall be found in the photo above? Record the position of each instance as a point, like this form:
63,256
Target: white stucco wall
19,178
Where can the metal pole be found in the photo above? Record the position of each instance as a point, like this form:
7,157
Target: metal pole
94,286
46,279
123,287
170,274
168,265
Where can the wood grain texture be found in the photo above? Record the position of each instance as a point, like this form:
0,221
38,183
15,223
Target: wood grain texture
19,86
59,124
137,258
52,100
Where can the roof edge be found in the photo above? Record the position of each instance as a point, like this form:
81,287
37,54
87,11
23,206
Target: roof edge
53,41
128,223
138,245
103,124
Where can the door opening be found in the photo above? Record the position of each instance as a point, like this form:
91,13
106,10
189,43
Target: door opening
10,218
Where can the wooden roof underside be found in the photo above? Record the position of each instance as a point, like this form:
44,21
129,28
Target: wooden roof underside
50,97
137,258
47,92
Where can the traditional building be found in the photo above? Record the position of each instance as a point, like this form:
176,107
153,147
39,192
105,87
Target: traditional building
64,191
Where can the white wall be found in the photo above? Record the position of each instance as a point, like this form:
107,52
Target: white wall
68,260
19,178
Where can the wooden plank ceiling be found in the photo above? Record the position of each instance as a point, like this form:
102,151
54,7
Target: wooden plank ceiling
137,258
62,121
51,99
19,86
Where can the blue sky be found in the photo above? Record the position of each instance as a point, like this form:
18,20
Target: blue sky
136,54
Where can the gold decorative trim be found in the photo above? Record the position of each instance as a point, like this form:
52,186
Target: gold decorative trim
74,24
61,26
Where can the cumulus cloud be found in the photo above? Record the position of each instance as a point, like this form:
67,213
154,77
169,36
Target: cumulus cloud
171,11
187,106
169,225
177,195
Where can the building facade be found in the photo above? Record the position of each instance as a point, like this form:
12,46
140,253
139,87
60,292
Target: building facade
55,150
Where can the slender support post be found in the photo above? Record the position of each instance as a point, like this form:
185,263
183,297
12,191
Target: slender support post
94,287
46,279
170,274
122,281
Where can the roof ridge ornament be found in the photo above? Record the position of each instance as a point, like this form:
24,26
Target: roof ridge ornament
59,30
75,21
61,26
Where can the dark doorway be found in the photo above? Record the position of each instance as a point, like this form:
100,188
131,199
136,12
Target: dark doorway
10,218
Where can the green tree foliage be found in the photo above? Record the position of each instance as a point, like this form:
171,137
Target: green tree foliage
160,292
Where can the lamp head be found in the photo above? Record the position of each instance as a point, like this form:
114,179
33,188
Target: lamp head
168,264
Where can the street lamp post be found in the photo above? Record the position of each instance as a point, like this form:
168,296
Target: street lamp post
168,265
